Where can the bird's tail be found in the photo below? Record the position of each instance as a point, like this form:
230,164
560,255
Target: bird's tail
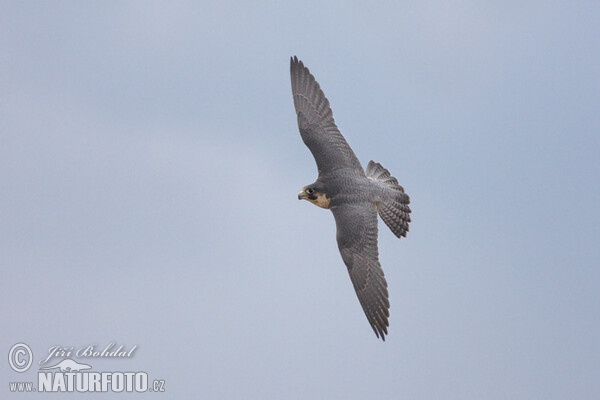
393,207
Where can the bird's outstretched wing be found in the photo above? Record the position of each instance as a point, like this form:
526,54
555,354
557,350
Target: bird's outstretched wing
316,123
357,241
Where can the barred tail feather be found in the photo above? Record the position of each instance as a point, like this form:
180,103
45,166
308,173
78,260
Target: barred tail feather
393,207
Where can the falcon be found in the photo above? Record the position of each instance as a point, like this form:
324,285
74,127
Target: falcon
354,195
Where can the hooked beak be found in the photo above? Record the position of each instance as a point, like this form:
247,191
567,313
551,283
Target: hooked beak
302,195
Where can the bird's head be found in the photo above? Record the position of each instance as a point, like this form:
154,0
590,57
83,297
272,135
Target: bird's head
315,194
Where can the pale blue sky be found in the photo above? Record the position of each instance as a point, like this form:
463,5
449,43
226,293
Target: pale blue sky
150,162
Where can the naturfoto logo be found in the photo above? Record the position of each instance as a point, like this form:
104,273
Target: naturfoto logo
68,375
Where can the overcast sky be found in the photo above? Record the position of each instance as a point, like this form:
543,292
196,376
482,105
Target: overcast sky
150,163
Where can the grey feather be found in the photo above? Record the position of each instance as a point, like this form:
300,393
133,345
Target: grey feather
316,124
393,205
357,240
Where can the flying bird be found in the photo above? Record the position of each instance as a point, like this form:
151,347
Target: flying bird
353,195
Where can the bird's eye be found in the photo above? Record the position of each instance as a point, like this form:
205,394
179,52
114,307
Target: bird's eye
310,190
